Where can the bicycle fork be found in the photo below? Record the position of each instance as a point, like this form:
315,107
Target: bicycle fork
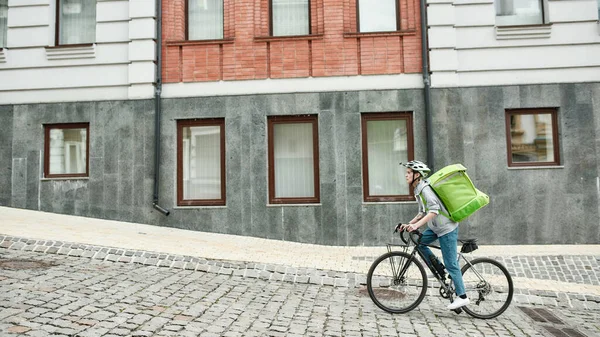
401,269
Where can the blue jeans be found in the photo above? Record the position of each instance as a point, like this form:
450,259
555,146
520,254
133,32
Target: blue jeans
449,248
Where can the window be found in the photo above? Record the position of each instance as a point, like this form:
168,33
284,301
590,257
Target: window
293,159
387,140
532,137
519,12
76,22
290,17
377,15
3,22
201,162
66,148
205,19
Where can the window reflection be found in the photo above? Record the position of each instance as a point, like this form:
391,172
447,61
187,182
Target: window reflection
532,138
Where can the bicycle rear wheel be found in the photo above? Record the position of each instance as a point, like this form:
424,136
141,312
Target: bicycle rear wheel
397,282
489,287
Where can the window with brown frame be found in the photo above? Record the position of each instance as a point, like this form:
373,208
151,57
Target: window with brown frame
66,149
75,22
289,17
377,15
293,159
532,137
204,19
201,162
387,140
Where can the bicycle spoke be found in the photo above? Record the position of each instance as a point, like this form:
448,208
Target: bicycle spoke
396,284
488,286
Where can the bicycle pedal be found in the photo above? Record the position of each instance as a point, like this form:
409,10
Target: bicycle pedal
458,311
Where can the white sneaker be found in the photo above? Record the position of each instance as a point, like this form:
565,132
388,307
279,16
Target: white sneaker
458,302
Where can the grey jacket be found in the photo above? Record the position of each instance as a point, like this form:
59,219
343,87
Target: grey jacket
441,225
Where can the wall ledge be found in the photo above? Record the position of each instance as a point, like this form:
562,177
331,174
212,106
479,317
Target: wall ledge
71,52
523,32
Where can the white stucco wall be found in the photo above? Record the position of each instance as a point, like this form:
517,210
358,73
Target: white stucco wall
468,49
119,65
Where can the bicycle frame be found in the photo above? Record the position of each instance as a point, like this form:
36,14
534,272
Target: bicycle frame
447,287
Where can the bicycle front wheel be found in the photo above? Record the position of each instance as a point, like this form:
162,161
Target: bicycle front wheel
489,287
397,282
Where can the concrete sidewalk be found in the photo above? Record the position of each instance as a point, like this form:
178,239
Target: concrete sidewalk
49,226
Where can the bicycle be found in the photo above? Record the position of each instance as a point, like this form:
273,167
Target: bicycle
397,277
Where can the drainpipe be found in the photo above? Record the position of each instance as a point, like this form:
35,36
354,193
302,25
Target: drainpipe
157,106
427,84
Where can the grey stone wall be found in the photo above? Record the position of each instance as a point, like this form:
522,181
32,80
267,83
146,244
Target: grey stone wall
341,218
6,134
121,152
528,206
558,205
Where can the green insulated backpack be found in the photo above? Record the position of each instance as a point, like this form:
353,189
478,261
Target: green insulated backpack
456,190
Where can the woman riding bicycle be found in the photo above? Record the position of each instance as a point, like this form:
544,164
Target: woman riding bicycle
440,227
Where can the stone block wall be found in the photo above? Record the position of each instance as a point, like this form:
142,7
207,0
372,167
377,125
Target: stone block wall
528,206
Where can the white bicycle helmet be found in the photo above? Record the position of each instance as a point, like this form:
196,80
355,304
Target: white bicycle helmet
418,166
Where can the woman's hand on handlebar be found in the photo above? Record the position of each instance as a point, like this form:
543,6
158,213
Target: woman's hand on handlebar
410,229
400,228
405,227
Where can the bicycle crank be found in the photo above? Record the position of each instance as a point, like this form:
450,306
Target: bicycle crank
446,291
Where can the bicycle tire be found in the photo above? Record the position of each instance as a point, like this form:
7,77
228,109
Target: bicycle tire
496,289
382,288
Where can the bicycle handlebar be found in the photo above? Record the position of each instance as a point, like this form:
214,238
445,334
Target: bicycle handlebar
411,235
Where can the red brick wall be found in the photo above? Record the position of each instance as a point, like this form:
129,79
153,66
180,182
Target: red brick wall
247,52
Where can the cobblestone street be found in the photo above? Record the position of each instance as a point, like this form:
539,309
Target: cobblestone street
79,296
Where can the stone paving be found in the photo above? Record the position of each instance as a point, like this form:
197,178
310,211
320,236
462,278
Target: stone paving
86,296
105,278
574,269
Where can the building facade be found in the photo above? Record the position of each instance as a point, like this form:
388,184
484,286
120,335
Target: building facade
287,119
284,91
265,115
516,92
